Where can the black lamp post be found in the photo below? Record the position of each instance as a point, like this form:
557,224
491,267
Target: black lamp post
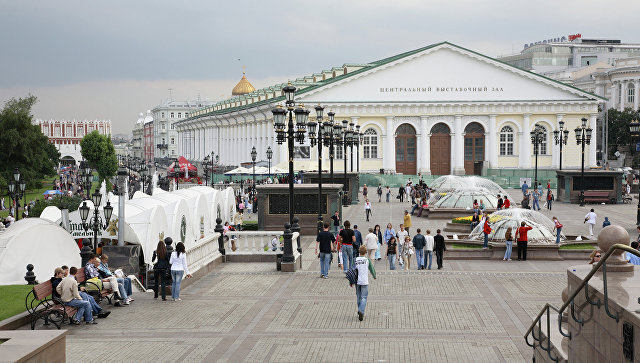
312,135
330,130
561,138
351,143
290,133
16,188
346,133
358,142
536,139
583,138
269,156
254,154
95,223
205,163
634,128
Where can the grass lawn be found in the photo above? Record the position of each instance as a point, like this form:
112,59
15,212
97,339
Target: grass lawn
577,246
32,194
12,299
465,245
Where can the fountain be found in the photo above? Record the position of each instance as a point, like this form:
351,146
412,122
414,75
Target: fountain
448,184
463,199
541,234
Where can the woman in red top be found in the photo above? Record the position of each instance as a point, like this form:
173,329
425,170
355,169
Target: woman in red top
486,230
521,237
507,203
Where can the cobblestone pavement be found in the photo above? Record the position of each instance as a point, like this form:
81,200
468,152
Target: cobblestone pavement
471,311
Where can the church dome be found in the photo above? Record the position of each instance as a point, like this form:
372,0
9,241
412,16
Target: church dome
243,87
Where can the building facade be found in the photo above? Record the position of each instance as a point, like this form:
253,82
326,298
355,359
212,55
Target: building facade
435,110
67,134
137,142
148,138
561,54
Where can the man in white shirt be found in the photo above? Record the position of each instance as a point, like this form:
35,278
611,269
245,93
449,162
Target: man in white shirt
10,220
590,219
401,234
428,248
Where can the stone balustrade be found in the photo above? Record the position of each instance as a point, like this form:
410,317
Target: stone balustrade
254,242
203,252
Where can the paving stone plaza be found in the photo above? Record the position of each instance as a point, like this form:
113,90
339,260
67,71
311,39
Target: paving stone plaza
471,311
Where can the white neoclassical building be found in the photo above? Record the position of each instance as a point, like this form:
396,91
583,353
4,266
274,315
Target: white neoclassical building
434,110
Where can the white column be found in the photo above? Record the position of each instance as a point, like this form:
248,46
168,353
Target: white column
623,94
424,147
458,146
389,152
594,139
492,146
555,153
612,100
636,95
525,142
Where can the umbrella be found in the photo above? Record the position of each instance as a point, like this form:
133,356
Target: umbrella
51,192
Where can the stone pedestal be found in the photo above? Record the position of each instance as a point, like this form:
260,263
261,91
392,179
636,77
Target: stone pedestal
125,257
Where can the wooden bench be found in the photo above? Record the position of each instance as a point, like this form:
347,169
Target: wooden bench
93,290
596,197
41,304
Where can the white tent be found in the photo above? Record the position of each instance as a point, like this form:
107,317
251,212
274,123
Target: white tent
39,242
239,171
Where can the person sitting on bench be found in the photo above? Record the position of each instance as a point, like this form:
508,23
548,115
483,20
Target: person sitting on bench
105,272
61,272
109,283
68,291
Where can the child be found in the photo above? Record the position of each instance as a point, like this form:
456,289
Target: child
364,266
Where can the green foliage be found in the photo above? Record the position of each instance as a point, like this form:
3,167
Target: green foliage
99,152
465,246
62,202
12,298
619,134
23,146
577,246
250,225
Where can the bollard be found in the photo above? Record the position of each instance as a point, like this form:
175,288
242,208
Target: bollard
85,251
30,276
219,229
287,256
295,227
168,241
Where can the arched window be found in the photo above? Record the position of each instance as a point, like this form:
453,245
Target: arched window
543,141
506,141
370,144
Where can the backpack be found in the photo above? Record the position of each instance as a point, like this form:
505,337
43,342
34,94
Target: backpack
380,190
352,275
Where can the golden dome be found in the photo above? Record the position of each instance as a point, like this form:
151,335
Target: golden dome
243,87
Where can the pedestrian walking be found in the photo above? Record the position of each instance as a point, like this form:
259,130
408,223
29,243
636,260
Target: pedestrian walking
160,270
358,241
348,238
550,199
336,223
401,234
418,244
371,242
392,253
365,191
523,241
536,199
408,251
557,227
367,209
388,194
401,194
428,249
407,220
439,248
379,192
508,240
179,267
590,219
364,266
525,188
325,246
378,234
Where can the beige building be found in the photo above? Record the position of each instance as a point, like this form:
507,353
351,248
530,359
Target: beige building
434,110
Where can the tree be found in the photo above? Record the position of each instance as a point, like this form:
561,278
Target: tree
100,154
619,134
23,146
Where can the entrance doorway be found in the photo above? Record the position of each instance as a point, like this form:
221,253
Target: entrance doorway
406,149
440,149
473,147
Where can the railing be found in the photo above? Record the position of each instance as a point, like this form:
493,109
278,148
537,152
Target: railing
253,242
570,303
202,252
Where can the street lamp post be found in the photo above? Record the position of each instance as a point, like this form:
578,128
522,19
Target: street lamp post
95,223
269,156
16,188
583,138
634,128
329,134
358,142
351,143
536,139
290,134
254,154
205,163
346,133
312,135
561,138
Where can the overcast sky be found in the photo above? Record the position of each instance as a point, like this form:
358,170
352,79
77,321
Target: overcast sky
115,59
